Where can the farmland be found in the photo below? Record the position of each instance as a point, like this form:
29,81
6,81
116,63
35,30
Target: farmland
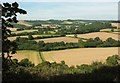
102,35
33,56
24,31
22,22
73,48
58,39
14,38
67,29
71,56
80,56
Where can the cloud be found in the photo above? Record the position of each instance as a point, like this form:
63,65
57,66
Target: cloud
65,10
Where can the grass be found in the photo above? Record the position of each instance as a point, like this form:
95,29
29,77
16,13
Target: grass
24,31
33,56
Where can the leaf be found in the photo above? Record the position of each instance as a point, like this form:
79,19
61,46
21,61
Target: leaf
15,4
15,19
21,11
9,20
7,5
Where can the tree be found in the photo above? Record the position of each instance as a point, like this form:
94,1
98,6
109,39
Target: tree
75,35
112,30
9,16
113,60
26,63
30,37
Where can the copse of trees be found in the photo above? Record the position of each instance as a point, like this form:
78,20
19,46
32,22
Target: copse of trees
84,28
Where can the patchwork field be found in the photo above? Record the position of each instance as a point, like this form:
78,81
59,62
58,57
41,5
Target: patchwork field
24,23
24,31
14,38
58,39
13,29
80,56
33,56
102,35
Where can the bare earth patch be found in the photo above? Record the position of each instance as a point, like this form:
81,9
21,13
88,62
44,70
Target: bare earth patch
58,39
80,56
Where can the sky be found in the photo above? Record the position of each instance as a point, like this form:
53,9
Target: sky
61,10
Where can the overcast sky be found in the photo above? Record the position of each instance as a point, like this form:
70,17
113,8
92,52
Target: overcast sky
57,9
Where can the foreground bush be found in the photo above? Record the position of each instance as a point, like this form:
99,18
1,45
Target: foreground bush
47,71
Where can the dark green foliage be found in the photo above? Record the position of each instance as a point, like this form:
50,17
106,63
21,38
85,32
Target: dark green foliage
26,63
9,16
113,60
47,71
24,43
112,30
30,37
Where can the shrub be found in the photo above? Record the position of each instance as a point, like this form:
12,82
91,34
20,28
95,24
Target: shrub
26,63
113,60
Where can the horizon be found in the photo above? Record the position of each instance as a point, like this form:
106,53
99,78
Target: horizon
74,19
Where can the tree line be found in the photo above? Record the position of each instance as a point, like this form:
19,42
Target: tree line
24,43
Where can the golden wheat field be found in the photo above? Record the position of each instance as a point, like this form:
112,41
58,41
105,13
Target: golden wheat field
58,39
80,56
102,35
